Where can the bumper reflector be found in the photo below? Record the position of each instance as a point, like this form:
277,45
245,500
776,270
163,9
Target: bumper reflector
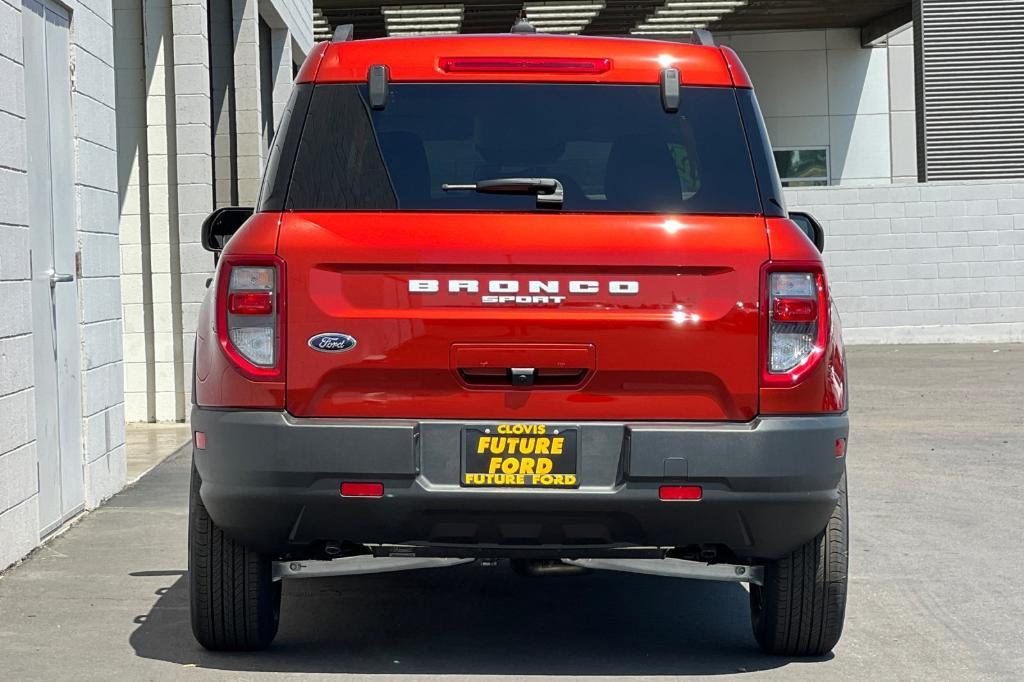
840,447
200,440
680,493
360,489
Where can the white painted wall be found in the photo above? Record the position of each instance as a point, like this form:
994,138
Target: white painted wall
931,263
19,516
295,16
174,149
902,106
96,211
822,89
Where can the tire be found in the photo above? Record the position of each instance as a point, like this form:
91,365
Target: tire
234,602
799,610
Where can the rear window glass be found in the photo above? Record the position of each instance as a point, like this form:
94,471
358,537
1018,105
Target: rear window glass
613,148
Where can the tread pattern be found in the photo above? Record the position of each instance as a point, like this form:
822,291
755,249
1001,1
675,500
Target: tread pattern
800,609
234,602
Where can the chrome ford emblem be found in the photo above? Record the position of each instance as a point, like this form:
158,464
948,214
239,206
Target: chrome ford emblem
332,342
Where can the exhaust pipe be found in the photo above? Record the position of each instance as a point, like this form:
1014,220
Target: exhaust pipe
534,568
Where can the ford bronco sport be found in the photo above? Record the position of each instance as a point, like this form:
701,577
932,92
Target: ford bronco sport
519,297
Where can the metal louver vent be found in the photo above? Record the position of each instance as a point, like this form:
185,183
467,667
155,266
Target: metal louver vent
970,77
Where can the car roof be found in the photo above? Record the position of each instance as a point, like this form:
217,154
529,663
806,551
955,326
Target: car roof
629,60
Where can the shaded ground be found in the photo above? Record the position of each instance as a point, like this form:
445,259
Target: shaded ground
937,494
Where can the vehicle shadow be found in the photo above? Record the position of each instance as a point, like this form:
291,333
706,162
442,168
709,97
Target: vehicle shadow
477,620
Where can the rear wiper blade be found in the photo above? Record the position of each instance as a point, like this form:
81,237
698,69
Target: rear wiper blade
549,191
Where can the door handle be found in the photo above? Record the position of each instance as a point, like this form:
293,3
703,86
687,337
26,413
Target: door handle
56,277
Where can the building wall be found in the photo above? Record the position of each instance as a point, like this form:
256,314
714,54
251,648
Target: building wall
96,215
932,263
19,517
190,72
822,89
902,107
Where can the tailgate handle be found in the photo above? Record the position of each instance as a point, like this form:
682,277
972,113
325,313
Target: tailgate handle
524,365
523,376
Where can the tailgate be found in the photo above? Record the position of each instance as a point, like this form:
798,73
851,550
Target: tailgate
523,316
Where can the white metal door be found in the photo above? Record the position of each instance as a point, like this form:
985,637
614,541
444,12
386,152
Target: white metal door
54,290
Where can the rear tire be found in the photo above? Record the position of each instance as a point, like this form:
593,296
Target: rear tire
799,610
234,602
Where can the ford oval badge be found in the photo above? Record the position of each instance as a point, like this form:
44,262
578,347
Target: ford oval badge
332,342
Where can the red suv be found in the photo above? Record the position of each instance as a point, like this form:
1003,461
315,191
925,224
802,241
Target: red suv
519,297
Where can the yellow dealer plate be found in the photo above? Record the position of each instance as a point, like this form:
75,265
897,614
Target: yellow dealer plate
518,455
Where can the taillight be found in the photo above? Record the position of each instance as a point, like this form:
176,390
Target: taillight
250,314
796,315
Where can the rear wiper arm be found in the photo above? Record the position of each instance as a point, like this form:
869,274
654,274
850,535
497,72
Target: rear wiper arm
549,191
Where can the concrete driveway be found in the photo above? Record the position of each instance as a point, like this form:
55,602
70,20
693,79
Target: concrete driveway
937,497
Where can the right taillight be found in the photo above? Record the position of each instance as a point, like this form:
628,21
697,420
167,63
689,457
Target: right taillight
250,314
796,321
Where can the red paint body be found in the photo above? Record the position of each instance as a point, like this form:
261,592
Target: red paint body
689,346
421,59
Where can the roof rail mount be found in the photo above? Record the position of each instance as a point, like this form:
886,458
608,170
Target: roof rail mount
343,33
702,36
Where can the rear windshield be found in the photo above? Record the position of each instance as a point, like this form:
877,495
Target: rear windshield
613,148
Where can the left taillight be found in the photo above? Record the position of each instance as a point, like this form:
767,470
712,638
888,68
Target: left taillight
796,316
250,314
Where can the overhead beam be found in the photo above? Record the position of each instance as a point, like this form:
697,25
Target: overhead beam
878,28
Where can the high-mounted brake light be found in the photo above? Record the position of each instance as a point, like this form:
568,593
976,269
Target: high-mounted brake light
796,321
250,315
524,64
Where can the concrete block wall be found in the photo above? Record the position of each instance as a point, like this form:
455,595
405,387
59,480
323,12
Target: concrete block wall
133,183
96,189
102,450
194,181
931,263
19,512
190,108
295,16
249,142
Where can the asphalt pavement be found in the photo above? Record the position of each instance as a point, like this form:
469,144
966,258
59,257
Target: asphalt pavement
936,479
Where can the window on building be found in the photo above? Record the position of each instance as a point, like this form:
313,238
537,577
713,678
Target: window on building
802,167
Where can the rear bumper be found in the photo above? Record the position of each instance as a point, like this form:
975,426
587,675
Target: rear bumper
272,481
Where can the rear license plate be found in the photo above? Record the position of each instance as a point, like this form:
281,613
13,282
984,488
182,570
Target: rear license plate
520,456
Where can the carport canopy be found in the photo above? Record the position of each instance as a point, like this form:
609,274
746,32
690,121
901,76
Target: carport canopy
668,18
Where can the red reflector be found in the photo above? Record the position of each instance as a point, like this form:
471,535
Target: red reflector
795,310
200,440
351,489
524,64
680,492
840,447
251,303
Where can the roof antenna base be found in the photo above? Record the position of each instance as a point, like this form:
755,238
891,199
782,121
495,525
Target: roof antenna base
523,26
343,33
